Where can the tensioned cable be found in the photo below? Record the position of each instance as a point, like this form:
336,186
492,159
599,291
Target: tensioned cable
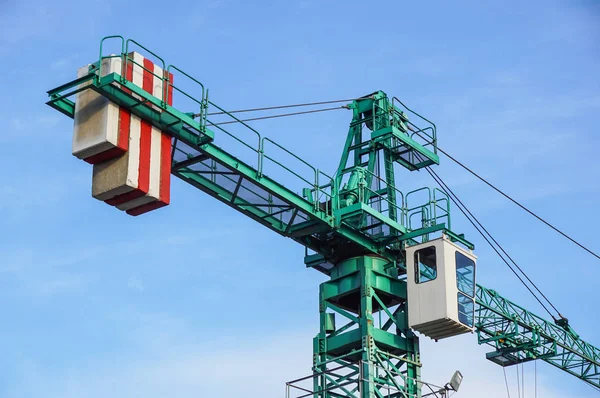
506,381
519,204
499,246
518,382
475,223
523,380
473,220
535,379
440,149
523,207
594,387
281,107
449,156
510,198
275,116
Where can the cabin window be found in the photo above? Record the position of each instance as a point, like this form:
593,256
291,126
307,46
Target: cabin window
465,274
425,265
466,310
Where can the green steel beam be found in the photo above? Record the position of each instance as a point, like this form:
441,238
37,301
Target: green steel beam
196,136
183,127
369,299
518,335
366,273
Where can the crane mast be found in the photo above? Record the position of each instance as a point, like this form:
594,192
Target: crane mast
356,226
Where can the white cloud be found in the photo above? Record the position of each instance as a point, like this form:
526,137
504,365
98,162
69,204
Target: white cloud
29,191
64,63
181,362
483,378
24,24
214,366
37,126
52,270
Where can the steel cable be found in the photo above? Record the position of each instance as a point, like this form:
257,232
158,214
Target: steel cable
519,204
454,198
502,250
467,213
506,381
523,207
275,116
518,382
510,198
282,107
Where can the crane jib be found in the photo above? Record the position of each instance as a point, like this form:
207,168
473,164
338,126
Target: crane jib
356,225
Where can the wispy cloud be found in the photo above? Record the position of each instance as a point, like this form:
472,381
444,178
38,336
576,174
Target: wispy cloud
177,360
26,192
37,125
60,64
51,270
22,23
186,366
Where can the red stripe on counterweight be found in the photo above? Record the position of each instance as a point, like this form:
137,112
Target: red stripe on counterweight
125,115
165,167
145,141
146,133
165,153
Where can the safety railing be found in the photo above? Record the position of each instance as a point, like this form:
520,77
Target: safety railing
368,195
320,186
317,194
426,136
412,210
256,137
127,59
432,211
348,380
202,103
313,184
169,86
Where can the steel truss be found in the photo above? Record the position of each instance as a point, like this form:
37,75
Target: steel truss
354,226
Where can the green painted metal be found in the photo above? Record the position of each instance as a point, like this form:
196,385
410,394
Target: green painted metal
373,352
314,213
354,226
518,336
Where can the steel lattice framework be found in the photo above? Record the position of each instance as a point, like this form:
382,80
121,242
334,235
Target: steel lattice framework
354,225
520,336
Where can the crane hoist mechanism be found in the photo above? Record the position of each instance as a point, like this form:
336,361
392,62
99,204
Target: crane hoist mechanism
395,265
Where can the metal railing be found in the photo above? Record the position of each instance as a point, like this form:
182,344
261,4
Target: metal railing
321,185
431,211
317,187
427,136
347,381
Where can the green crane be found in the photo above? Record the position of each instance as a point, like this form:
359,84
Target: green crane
356,226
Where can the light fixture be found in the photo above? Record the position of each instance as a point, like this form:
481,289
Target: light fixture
454,381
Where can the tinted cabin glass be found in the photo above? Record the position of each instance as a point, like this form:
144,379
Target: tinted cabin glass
466,310
465,281
465,274
425,265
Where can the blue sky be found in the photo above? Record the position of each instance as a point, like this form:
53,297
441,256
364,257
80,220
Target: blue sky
97,303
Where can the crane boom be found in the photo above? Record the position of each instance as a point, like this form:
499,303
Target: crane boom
354,225
518,336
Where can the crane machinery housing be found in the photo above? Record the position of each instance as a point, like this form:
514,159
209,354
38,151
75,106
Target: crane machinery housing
394,263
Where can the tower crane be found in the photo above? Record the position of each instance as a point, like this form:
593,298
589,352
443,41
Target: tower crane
394,264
